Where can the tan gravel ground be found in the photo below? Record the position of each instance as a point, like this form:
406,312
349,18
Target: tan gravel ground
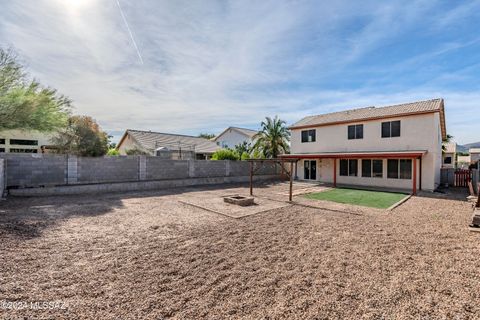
145,255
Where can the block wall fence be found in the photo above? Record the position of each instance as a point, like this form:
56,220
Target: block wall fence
47,170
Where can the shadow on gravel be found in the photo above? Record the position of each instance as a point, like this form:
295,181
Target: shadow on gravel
27,217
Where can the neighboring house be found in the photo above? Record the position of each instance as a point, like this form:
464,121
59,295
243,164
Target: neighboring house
233,136
474,155
449,155
393,147
166,145
463,162
24,141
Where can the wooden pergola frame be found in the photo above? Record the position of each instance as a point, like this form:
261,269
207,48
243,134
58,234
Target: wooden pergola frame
281,162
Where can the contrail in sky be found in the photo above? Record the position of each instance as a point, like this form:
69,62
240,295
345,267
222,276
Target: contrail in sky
130,32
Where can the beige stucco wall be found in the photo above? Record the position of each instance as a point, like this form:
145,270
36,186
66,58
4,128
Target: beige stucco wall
419,132
231,138
474,156
42,138
325,174
445,155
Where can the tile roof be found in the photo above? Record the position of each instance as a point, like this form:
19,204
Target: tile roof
153,140
371,113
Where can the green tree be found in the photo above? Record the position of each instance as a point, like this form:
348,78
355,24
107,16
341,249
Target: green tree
273,139
206,135
25,103
225,154
83,137
243,147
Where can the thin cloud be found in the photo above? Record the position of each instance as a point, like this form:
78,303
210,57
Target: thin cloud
213,64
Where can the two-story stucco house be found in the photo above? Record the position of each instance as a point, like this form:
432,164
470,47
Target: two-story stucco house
392,147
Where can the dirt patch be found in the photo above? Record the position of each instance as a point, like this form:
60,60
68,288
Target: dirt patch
146,255
213,201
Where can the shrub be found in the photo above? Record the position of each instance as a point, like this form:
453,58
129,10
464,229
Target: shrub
113,152
135,152
225,154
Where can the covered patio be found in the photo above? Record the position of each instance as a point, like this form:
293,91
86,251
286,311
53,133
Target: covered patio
413,155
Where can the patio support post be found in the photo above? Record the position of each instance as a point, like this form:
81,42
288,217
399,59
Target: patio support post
334,172
251,178
291,181
414,190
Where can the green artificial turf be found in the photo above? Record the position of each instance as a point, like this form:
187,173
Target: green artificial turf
374,199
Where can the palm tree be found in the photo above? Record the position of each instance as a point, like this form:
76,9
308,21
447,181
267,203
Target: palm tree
273,139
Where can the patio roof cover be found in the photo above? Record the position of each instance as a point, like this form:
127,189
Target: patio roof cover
357,154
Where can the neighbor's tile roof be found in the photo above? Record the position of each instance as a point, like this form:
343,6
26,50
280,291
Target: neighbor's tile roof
153,140
371,113
247,132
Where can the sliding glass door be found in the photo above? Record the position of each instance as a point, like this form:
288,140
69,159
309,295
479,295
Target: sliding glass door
310,169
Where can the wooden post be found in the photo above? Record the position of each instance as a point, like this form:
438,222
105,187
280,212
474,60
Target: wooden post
478,199
414,189
251,178
291,181
334,172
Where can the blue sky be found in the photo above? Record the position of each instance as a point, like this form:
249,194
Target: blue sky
204,65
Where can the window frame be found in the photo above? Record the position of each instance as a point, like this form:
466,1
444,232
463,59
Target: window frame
389,126
370,167
401,175
349,172
308,133
357,131
24,142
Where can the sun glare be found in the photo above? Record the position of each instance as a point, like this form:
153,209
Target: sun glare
77,4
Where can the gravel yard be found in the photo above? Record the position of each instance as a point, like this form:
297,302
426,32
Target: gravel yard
147,255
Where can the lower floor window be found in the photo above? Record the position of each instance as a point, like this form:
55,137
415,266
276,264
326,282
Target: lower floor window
349,167
399,169
372,168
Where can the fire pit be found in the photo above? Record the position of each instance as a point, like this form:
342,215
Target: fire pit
239,200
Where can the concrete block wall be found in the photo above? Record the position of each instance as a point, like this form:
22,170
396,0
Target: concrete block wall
207,169
32,170
44,170
239,168
108,169
161,169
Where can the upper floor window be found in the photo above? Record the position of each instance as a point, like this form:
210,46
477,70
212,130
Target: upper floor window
22,142
447,160
355,131
308,135
391,129
2,141
349,167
